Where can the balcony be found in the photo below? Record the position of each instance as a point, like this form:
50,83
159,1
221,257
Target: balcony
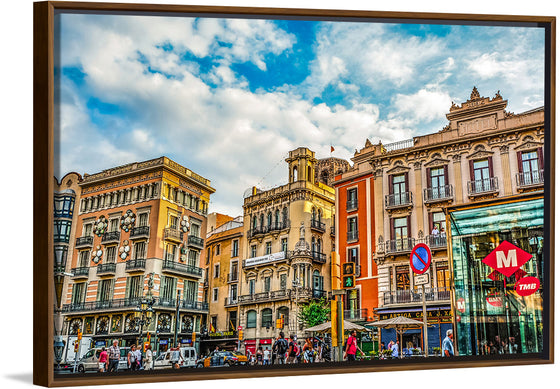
111,237
436,241
84,241
283,294
438,194
180,269
132,304
527,180
351,205
80,272
107,269
396,246
408,296
232,277
195,241
482,187
140,232
318,257
230,301
173,234
274,227
318,226
355,314
135,265
398,200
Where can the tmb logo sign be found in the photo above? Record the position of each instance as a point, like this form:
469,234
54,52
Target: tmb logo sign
507,258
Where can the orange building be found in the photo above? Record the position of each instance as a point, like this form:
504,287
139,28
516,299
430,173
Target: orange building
140,238
355,238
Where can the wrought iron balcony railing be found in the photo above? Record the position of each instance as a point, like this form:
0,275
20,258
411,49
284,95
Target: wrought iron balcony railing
318,225
195,241
172,234
84,241
352,235
140,232
351,205
399,245
111,237
438,193
135,265
398,200
319,257
487,185
181,269
106,269
532,178
415,296
80,272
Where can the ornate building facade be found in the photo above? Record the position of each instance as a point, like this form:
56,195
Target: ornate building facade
139,247
287,243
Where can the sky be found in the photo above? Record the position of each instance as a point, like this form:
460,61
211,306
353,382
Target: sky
229,98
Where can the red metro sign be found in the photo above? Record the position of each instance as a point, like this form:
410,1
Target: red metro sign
507,258
527,286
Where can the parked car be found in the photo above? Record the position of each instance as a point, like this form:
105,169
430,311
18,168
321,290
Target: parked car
222,359
90,360
188,358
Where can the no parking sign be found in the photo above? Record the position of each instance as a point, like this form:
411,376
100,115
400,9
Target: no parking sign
420,258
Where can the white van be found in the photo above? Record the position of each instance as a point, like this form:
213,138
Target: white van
90,360
188,358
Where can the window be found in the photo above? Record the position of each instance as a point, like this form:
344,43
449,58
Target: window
442,277
111,254
398,187
352,198
252,319
140,250
195,230
233,292
235,248
62,231
216,270
88,229
142,219
400,232
266,284
252,286
234,270
268,248
232,320
253,251
192,258
352,228
277,219
530,165
173,221
190,291
403,278
353,255
283,281
285,217
170,253
317,284
83,260
79,293
105,290
266,318
482,176
133,287
437,180
113,225
213,323
284,244
269,220
217,248
215,293
254,222
168,288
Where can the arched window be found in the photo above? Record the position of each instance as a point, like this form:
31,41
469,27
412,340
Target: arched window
276,218
312,213
313,245
285,217
251,319
266,317
269,220
294,174
319,214
319,245
309,175
254,222
286,312
262,220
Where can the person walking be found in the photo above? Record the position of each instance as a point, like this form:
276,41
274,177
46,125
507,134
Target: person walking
114,354
175,357
131,359
395,349
139,357
279,350
259,356
292,349
149,360
266,356
102,360
447,344
352,347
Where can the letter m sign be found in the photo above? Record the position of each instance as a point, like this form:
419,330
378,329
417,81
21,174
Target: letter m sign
507,258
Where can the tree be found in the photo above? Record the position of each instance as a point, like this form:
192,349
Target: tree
314,313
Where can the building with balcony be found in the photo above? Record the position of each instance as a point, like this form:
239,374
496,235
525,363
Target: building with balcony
287,246
140,233
355,238
483,155
224,249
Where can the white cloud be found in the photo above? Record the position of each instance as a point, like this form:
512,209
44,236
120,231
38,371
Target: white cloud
424,105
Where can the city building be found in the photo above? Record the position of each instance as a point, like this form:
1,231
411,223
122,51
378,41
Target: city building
355,238
66,196
224,248
138,255
287,240
484,156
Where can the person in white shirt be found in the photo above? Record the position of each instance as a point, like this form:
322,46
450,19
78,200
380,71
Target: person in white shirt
266,356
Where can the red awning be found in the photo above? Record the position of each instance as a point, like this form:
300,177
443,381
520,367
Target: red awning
265,341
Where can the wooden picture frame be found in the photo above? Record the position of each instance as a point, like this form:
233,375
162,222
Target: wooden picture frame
44,160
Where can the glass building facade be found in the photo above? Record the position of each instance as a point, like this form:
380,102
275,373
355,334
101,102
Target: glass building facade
491,318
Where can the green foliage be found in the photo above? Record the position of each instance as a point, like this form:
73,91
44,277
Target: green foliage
315,312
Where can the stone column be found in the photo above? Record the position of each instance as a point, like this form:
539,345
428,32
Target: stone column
417,193
458,183
506,170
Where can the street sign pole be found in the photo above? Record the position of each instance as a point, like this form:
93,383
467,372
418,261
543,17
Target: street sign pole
425,316
420,260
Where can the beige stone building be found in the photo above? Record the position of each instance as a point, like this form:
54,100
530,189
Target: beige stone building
287,241
140,237
484,153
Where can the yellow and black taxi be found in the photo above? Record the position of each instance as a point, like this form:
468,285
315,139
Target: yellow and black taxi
222,359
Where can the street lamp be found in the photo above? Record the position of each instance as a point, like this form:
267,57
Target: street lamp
143,315
58,348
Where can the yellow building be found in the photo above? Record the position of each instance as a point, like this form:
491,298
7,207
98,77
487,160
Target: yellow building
287,240
140,238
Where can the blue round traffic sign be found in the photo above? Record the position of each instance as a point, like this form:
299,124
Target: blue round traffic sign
420,258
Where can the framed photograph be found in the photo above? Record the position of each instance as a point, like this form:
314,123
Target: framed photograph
234,192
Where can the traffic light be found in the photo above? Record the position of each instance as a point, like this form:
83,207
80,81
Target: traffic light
348,281
240,334
282,321
149,337
76,345
348,275
193,337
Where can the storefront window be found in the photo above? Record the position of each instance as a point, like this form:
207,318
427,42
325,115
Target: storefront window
491,317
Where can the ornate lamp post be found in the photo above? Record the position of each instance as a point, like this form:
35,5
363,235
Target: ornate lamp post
143,316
